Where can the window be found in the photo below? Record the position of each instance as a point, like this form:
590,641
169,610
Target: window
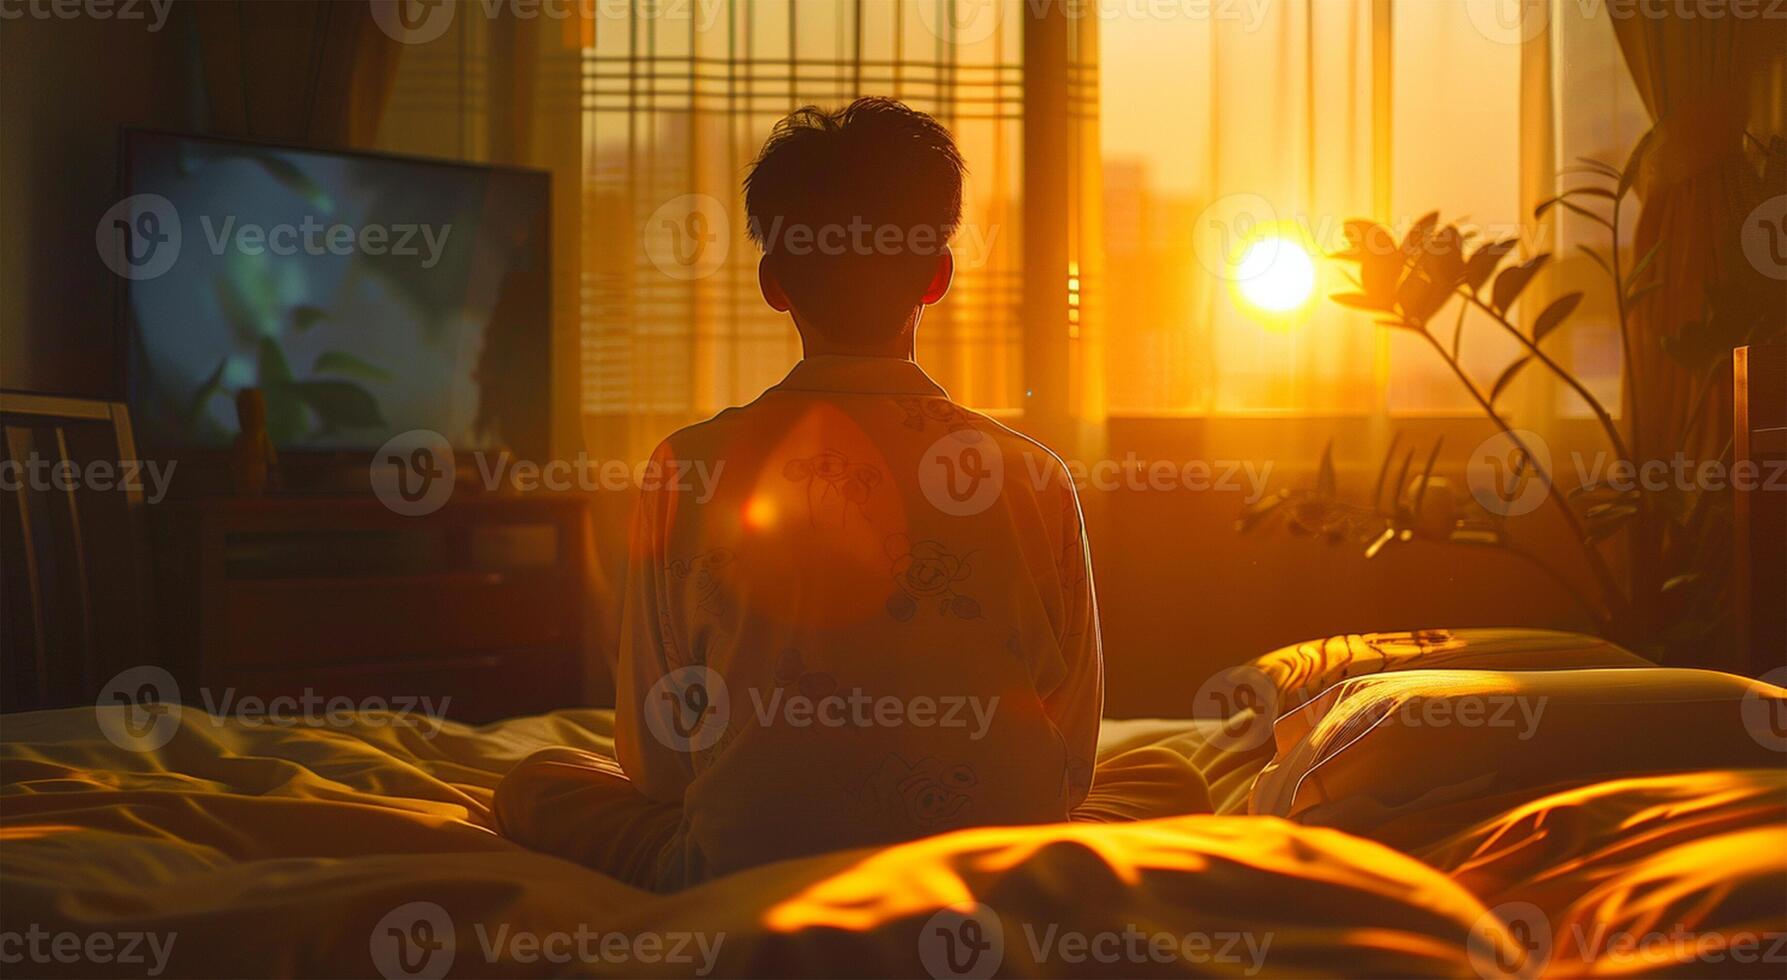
674,111
1303,115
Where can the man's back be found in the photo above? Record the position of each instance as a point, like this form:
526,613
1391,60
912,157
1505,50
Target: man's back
880,625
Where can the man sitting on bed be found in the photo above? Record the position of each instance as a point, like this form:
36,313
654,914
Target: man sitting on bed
881,625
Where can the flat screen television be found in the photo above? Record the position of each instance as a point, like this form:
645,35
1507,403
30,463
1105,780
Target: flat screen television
365,295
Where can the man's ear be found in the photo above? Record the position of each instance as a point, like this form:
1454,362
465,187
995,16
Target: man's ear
772,290
946,270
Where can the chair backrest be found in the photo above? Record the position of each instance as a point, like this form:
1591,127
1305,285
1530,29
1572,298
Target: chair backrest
74,597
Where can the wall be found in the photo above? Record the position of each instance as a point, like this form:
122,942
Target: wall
66,86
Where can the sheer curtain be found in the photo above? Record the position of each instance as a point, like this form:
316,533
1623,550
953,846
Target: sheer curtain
1217,128
1310,112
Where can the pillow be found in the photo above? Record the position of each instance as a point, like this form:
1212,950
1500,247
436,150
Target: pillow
1373,749
1304,670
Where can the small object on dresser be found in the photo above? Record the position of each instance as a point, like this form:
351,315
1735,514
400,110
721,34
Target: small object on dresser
254,456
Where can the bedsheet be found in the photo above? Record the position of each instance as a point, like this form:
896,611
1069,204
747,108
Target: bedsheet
365,849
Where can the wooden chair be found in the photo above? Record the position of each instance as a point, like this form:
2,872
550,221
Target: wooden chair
74,597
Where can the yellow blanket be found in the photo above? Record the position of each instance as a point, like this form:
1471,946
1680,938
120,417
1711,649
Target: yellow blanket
366,850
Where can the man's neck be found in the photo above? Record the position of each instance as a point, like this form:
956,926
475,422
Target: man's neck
900,348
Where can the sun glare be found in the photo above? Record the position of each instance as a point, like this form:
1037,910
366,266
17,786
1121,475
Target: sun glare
1276,275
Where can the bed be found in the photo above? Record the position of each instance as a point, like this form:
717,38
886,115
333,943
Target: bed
366,849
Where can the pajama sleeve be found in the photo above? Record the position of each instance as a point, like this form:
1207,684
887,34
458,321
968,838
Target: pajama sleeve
646,655
1076,704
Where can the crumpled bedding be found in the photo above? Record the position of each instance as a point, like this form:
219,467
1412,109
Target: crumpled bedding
366,850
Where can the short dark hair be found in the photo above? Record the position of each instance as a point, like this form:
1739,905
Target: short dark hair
852,208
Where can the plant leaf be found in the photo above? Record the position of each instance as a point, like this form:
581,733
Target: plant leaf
1599,166
338,404
1365,238
273,369
1402,475
1326,483
1644,290
1606,519
305,317
1639,151
1383,470
1577,208
343,363
1600,259
1427,475
1358,301
1509,284
1507,376
1415,241
1483,261
1677,581
1553,316
1643,263
206,390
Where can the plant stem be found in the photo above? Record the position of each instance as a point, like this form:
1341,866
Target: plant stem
1640,578
1614,599
1625,331
1594,404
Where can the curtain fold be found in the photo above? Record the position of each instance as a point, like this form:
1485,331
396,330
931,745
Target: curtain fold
309,71
1695,76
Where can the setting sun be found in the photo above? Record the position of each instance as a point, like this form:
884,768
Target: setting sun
1276,274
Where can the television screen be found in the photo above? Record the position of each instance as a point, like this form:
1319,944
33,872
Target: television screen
363,295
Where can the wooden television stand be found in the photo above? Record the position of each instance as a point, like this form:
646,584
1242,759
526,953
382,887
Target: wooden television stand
482,604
